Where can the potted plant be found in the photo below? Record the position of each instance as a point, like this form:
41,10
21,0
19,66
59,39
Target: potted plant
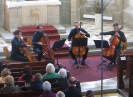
96,6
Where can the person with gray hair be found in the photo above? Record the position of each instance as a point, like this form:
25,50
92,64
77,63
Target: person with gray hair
10,87
60,94
47,90
5,72
62,79
37,83
50,72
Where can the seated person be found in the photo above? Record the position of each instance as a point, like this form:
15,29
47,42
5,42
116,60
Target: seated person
60,94
47,90
37,83
27,74
2,66
72,90
89,93
10,87
5,72
62,80
50,72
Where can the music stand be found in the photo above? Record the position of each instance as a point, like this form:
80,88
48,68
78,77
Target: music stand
79,42
58,44
98,45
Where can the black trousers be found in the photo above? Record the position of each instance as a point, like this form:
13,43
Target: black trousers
74,57
113,59
19,57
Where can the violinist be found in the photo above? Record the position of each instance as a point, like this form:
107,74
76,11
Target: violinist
16,45
38,46
71,35
121,37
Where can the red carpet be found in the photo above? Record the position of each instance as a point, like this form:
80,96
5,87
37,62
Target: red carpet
51,31
89,73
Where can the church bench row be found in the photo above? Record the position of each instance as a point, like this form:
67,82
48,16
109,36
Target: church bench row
35,65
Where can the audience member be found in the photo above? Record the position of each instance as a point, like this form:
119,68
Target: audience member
5,72
50,72
89,93
62,80
9,85
37,83
1,66
27,74
60,94
72,91
47,90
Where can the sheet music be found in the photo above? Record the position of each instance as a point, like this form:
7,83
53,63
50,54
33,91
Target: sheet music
123,58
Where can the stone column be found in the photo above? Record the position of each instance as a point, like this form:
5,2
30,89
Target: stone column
75,10
118,14
1,13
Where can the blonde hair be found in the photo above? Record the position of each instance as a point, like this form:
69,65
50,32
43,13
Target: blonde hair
9,80
5,72
62,73
50,68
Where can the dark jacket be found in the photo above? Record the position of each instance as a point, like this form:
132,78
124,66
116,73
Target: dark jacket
72,91
74,31
10,89
112,33
36,38
48,94
37,86
16,44
61,82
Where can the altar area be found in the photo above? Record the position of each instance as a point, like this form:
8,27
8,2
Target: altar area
26,13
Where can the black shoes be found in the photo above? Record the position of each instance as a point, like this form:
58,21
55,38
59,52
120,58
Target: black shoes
83,62
111,64
75,61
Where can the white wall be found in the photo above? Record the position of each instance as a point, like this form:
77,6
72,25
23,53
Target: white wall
131,3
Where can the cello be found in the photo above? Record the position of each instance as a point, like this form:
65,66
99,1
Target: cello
114,41
79,50
26,52
47,50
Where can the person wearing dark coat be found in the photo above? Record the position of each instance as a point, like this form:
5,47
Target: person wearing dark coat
37,83
62,79
72,90
121,36
16,45
47,90
71,36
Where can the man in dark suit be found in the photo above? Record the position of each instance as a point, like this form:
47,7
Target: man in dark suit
121,37
16,45
71,35
72,91
38,46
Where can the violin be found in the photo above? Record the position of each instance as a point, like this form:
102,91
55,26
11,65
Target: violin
48,52
114,41
26,52
79,50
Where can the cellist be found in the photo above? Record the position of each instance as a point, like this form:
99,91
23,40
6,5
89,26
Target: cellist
16,44
72,33
121,37
37,45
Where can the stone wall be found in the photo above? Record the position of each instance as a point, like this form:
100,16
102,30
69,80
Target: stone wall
128,14
1,13
65,12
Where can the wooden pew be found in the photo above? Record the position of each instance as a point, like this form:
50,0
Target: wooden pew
121,65
14,67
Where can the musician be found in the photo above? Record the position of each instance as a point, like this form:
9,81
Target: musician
121,36
16,44
38,46
72,33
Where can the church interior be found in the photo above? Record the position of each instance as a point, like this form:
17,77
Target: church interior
58,18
